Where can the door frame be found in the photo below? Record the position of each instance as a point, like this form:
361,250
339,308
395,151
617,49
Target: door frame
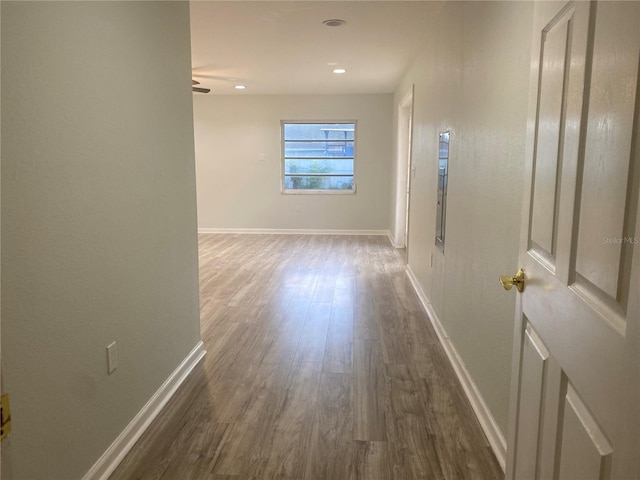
403,169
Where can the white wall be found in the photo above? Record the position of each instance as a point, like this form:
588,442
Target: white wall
98,222
235,190
472,79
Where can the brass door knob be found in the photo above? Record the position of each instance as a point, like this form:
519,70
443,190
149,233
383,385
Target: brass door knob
518,280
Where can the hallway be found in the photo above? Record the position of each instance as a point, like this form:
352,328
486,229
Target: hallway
321,364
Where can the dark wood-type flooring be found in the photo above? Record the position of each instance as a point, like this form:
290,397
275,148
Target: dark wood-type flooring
321,364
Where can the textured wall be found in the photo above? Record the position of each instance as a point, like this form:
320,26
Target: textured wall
98,222
235,190
472,79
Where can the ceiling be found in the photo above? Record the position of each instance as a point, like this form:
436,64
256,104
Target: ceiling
283,47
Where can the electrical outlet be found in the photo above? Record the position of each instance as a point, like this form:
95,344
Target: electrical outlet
112,357
262,157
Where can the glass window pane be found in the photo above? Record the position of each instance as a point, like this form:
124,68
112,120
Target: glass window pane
300,182
319,149
332,167
319,131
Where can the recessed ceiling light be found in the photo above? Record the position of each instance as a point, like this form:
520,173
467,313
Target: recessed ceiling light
339,70
334,22
240,87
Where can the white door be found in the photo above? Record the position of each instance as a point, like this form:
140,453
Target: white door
575,381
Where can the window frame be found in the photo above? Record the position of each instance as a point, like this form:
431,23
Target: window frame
290,191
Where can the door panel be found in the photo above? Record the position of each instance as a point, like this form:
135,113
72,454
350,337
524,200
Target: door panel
608,148
586,453
575,385
547,161
534,358
558,69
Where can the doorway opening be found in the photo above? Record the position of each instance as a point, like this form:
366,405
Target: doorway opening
403,176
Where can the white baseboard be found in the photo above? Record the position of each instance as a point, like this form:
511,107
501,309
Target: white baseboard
487,422
393,242
293,231
108,462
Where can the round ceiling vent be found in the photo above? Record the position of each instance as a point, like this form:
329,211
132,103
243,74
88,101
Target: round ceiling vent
334,22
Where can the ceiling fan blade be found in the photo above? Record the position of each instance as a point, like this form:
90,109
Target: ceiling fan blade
201,90
194,82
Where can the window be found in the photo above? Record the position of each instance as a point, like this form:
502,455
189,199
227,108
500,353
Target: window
443,173
318,157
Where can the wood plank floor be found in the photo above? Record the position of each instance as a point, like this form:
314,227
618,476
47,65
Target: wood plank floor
321,365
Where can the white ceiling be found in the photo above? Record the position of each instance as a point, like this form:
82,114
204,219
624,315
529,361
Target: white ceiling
283,47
